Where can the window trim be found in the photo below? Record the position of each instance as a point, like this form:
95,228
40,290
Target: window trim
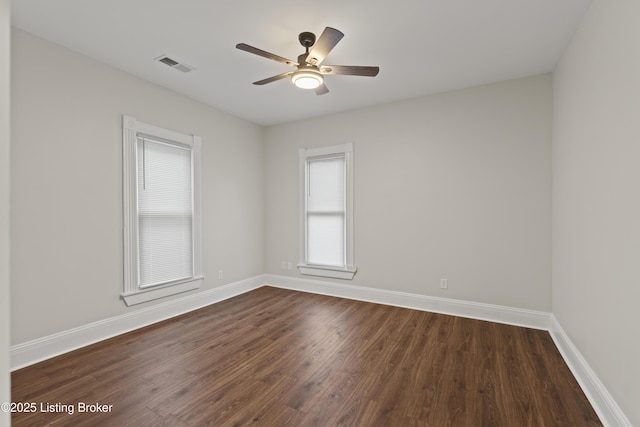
133,293
350,269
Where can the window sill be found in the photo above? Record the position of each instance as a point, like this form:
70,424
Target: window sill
336,273
141,296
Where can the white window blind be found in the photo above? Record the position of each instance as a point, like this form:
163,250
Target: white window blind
165,212
161,212
326,211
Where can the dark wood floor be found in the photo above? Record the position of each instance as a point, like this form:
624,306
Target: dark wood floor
274,357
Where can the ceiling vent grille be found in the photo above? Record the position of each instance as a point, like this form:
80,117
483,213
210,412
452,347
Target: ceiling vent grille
175,64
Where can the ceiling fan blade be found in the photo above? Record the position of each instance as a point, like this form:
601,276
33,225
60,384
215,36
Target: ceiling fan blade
322,89
265,54
273,79
325,43
350,70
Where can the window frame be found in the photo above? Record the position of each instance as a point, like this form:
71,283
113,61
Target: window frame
133,293
309,154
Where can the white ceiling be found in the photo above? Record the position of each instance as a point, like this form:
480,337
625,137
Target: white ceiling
421,46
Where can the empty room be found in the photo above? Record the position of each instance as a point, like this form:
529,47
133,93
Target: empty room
414,213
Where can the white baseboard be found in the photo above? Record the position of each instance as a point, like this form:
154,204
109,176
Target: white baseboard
40,349
603,403
474,310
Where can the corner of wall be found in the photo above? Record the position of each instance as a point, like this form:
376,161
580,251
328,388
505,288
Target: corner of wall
5,63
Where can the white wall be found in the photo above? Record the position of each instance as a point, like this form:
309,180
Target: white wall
5,331
596,197
66,186
454,186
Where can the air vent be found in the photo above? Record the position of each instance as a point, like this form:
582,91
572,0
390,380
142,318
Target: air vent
175,64
170,62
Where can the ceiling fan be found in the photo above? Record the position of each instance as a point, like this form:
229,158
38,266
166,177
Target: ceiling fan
309,73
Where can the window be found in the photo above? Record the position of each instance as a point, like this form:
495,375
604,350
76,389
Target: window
161,183
326,213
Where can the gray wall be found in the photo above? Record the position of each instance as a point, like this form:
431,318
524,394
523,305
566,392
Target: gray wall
5,331
66,175
454,186
596,197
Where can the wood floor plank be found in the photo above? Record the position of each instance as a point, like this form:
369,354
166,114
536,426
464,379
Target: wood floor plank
274,357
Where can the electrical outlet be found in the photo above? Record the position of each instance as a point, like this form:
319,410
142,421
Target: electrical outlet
289,266
444,283
220,274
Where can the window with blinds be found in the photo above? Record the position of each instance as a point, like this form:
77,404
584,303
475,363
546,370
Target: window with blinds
161,183
165,212
326,212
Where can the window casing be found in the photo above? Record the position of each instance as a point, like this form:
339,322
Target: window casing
326,212
161,183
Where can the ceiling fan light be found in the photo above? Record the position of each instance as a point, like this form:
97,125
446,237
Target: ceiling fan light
305,79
